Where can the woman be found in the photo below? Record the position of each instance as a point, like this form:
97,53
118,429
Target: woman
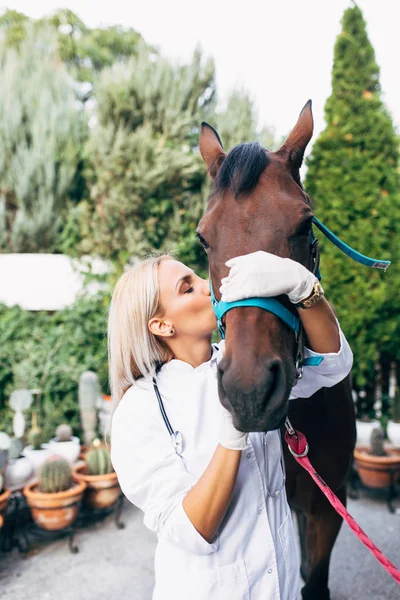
217,500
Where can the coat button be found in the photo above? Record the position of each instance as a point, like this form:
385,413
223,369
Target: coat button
270,571
259,511
248,455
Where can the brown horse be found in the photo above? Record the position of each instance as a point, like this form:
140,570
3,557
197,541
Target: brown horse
258,203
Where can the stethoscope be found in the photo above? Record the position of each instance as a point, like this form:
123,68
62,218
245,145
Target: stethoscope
177,441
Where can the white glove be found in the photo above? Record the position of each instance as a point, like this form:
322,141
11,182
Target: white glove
229,436
261,274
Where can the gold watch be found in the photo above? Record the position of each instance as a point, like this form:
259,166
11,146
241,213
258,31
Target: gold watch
315,296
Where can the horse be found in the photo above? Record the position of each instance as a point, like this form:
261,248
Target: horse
257,202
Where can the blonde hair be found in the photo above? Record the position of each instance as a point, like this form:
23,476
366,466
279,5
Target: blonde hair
133,350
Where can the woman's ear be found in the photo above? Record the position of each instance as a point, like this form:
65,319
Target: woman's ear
160,327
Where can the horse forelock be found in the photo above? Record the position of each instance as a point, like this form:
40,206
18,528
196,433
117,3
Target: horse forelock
241,169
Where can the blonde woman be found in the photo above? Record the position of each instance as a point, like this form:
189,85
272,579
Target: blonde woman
214,495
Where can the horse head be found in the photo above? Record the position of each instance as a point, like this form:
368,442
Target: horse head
257,203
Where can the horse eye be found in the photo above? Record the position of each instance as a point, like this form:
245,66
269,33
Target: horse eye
202,240
305,228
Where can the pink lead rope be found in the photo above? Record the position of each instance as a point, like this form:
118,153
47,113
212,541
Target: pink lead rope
298,446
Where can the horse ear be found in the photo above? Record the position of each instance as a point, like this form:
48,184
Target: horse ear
211,149
295,145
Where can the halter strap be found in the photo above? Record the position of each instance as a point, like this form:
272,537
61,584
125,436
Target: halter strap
270,304
354,254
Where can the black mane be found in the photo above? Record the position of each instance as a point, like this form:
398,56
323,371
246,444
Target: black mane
242,168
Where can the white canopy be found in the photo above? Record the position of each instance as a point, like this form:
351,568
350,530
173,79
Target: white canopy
45,281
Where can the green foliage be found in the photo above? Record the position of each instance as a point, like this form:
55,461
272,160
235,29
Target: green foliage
43,128
99,461
352,176
85,51
50,352
147,181
55,475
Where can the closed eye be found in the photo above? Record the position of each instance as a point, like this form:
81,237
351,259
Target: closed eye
202,241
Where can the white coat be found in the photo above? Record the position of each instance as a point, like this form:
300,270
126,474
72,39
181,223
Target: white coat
254,554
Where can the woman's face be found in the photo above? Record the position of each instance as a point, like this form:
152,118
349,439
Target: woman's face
186,300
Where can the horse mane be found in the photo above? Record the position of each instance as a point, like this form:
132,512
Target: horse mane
241,169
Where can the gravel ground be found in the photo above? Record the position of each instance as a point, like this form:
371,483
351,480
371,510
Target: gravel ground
118,564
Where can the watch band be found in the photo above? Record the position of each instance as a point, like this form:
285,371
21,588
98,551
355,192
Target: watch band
313,298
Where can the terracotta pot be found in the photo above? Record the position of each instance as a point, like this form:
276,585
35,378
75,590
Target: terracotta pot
375,471
54,511
3,500
102,491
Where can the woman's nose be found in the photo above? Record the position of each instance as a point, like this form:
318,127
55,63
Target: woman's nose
207,287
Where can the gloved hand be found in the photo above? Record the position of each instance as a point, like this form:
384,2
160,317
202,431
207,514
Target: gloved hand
229,436
261,274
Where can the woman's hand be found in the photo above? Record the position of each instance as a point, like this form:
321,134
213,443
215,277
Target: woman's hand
261,274
230,437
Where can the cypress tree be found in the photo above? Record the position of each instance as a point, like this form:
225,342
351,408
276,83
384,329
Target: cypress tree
353,179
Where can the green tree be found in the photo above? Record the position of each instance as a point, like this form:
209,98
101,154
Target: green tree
43,129
85,51
352,176
146,183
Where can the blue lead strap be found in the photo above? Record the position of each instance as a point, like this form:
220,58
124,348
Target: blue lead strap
357,256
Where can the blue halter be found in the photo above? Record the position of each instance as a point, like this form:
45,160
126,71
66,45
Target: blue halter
274,306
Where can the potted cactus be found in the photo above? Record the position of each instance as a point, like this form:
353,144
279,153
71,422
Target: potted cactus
375,463
97,472
36,451
54,500
65,444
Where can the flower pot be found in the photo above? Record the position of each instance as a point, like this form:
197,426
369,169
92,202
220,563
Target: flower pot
3,500
364,430
375,471
54,511
102,491
393,433
69,449
18,472
36,457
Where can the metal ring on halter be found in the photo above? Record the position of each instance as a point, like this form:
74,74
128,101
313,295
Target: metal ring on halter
299,455
299,369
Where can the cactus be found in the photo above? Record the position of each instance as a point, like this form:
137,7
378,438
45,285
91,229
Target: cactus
377,437
89,393
55,475
99,461
1,483
35,438
15,448
63,433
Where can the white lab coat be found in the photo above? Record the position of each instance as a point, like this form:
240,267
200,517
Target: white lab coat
254,554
